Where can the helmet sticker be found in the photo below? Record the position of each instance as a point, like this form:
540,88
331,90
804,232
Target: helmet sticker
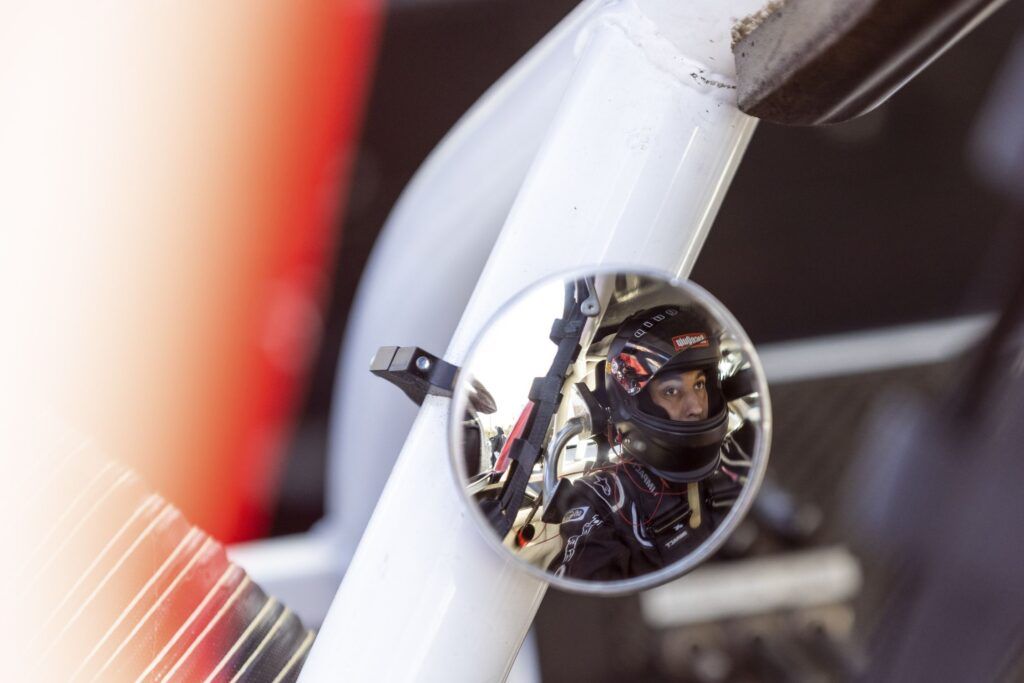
690,340
648,324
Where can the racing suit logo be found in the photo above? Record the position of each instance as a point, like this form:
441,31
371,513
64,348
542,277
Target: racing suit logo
676,539
570,546
575,515
645,478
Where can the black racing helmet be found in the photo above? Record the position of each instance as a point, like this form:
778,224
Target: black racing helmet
649,343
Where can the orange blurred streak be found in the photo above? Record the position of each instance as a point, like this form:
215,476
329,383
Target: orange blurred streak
172,180
278,184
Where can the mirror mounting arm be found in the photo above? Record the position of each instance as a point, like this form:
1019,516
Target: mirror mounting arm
415,371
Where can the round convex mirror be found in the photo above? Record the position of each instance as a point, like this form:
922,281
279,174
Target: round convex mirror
610,429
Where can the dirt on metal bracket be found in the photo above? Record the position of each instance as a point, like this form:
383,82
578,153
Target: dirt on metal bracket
811,62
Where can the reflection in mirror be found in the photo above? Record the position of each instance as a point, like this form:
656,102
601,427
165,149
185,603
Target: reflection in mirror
613,429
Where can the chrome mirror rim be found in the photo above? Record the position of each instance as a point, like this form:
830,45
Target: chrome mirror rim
733,518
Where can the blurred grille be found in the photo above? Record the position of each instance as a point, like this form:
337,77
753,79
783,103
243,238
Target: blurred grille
118,586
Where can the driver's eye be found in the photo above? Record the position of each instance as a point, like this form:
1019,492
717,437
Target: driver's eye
699,386
669,391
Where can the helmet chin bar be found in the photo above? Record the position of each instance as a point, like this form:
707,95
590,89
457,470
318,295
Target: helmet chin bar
680,451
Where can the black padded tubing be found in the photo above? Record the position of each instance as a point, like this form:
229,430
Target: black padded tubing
743,383
546,395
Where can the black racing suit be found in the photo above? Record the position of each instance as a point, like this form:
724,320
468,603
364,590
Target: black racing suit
624,520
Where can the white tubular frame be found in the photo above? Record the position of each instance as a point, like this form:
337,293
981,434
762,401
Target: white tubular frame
632,171
446,223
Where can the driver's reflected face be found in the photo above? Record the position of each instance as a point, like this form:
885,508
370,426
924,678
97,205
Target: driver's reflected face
683,395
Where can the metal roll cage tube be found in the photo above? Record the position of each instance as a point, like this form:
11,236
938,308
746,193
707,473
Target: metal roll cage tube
574,427
634,163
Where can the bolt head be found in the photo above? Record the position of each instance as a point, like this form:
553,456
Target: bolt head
423,363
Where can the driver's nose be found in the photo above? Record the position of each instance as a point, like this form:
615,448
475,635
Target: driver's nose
692,408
